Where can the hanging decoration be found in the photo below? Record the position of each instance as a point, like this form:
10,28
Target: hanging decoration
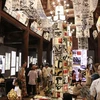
95,34
62,59
93,5
98,24
32,8
83,43
23,10
40,10
83,11
8,6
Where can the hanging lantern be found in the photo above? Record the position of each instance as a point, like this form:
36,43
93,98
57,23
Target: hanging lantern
59,10
59,13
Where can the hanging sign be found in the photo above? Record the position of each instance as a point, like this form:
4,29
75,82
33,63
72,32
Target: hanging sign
8,6
83,43
40,10
93,5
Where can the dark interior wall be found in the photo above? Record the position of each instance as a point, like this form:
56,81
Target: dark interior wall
4,49
33,54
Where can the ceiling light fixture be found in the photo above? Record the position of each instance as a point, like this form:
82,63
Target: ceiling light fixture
59,13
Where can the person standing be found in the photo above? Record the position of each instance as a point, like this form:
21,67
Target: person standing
45,74
95,74
27,77
73,77
39,73
95,87
32,79
1,76
79,76
2,89
88,75
22,78
17,89
51,78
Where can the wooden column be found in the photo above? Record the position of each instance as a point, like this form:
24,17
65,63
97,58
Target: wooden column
40,51
74,43
49,48
25,46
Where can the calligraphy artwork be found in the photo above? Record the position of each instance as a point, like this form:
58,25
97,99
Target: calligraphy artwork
83,11
62,58
82,43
